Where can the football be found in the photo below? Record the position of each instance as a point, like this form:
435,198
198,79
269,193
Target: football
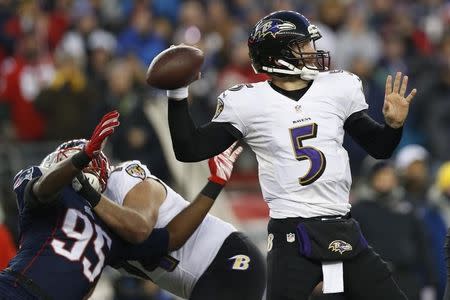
175,67
93,180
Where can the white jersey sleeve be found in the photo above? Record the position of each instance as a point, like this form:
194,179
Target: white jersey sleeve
358,100
229,109
123,178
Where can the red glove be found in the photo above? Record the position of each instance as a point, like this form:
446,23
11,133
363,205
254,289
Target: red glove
221,165
104,129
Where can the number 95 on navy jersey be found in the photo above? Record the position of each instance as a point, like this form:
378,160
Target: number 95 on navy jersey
64,246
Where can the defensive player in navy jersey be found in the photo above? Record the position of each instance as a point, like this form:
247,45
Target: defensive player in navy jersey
64,245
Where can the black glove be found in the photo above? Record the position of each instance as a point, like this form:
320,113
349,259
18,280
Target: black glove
82,186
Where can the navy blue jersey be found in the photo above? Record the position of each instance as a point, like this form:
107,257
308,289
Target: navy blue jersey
64,246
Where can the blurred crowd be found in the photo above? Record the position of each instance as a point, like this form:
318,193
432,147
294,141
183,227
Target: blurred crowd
63,63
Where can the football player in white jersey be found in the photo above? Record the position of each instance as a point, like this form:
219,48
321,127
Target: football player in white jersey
216,262
295,123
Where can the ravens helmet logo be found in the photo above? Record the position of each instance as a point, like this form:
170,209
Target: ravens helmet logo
272,27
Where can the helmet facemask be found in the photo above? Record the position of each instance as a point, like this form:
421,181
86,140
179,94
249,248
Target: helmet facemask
317,60
275,46
99,165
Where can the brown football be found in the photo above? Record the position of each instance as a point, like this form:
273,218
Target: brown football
175,67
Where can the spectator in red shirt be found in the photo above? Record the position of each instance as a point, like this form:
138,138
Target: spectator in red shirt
21,78
7,246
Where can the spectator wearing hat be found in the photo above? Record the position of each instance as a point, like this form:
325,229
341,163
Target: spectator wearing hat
392,227
412,163
440,191
70,98
102,46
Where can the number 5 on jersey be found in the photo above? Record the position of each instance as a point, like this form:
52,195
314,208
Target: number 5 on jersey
316,157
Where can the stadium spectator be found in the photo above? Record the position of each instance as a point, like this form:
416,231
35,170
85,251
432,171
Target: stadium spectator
22,77
353,40
70,97
434,105
391,226
135,139
139,39
412,163
102,45
6,243
238,68
440,192
31,16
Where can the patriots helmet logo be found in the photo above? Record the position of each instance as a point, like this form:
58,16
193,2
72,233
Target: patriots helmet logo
340,246
272,27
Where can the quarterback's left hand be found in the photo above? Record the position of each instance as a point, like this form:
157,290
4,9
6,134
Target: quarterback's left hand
221,165
396,106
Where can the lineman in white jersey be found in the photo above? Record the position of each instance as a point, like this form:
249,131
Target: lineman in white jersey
216,262
295,124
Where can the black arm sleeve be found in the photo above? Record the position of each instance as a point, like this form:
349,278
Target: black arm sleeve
378,140
151,250
192,144
32,202
149,253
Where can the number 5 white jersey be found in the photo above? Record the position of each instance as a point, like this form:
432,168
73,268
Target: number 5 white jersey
303,169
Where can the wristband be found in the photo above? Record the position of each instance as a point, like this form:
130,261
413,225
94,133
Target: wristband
217,179
178,94
212,190
80,160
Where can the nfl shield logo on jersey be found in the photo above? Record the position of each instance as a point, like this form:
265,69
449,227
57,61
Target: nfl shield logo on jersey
290,237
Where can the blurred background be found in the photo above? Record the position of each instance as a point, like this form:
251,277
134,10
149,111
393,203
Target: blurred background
63,63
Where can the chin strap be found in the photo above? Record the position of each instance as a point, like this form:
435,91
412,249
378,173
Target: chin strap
305,73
